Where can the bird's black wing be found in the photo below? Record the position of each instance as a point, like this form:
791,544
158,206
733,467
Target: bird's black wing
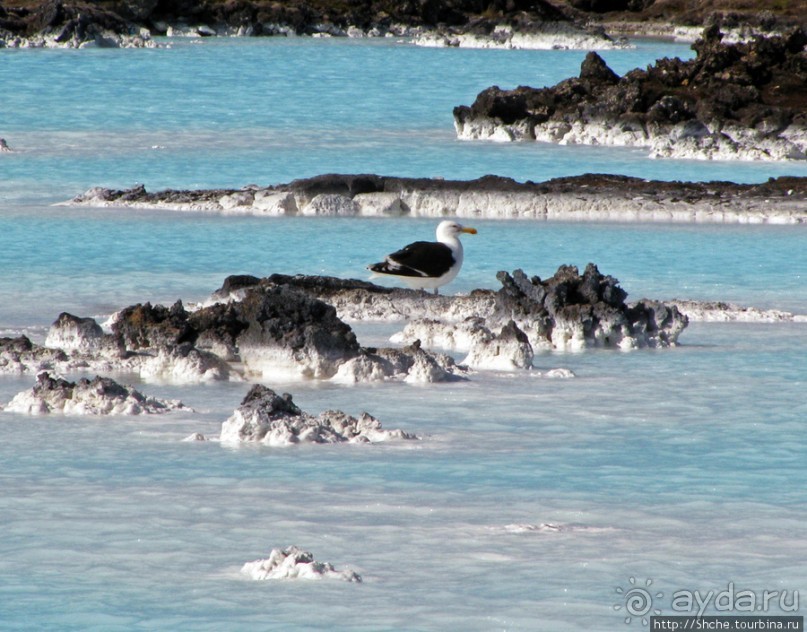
418,259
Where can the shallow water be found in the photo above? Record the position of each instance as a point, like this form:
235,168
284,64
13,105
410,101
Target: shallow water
684,466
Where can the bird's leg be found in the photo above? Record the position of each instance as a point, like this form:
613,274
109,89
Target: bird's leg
436,292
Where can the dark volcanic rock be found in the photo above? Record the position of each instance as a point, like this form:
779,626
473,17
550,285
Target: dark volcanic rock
743,100
76,24
566,311
287,327
143,325
570,310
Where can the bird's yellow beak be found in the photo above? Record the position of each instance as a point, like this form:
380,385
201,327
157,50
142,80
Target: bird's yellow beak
469,230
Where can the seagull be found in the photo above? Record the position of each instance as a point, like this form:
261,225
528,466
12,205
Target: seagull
427,264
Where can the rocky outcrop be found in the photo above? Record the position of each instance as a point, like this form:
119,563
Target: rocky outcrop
99,396
83,336
580,198
270,419
574,311
271,330
567,311
457,22
20,355
540,25
294,563
57,24
733,101
583,24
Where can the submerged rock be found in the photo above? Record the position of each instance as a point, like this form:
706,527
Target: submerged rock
733,101
271,419
99,396
294,563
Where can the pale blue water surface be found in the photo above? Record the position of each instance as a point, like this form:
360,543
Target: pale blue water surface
685,466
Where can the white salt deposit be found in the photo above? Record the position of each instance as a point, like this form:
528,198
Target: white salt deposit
720,312
295,563
682,141
578,206
552,36
506,351
331,204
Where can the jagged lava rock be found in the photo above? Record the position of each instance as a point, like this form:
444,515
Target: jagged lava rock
271,419
99,396
567,311
733,101
572,311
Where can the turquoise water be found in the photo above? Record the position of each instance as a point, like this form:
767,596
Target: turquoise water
684,466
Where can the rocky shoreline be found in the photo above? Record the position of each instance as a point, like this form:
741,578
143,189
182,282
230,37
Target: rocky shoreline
740,101
581,24
537,24
589,197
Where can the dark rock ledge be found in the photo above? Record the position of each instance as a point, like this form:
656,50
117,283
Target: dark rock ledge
116,23
283,327
594,197
742,101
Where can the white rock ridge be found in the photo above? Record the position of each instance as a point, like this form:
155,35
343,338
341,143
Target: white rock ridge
582,198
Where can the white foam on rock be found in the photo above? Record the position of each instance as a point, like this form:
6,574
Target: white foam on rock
294,563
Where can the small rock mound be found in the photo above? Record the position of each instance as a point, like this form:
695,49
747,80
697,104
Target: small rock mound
741,101
99,396
271,419
295,563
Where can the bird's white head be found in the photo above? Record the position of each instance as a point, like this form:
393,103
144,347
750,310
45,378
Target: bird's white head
450,230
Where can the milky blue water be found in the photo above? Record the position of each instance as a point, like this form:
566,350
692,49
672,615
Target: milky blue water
685,466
